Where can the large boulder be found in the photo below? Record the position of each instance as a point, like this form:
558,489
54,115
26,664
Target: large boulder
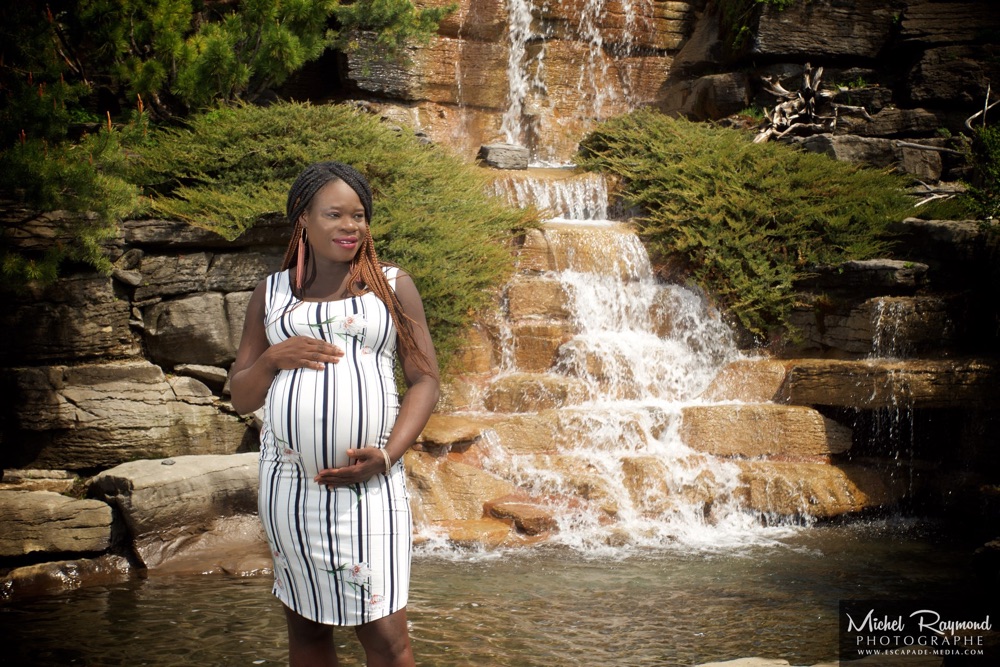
957,75
824,29
79,317
62,576
167,503
194,329
504,156
876,152
42,522
99,415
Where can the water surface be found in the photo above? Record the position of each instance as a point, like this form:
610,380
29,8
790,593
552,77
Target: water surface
548,607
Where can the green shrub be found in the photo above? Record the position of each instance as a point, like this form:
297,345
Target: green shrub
432,216
984,191
88,180
745,220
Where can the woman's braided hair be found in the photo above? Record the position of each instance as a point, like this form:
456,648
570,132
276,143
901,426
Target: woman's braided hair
366,269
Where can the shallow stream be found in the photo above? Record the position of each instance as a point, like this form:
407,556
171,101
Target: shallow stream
775,597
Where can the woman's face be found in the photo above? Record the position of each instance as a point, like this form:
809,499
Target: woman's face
335,222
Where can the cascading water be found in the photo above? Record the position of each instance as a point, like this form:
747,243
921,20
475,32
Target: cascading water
642,350
604,74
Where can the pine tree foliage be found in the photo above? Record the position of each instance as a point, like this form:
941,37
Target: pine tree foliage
230,166
744,220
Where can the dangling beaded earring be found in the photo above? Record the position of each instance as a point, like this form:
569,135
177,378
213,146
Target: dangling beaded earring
300,263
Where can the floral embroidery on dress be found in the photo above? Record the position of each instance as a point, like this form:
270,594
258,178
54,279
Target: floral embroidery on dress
344,326
358,576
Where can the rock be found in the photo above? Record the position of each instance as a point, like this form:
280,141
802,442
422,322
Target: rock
824,30
955,75
236,312
170,275
958,253
702,50
79,317
56,481
879,383
164,506
530,392
530,517
762,430
453,431
42,522
482,20
241,271
935,23
271,230
445,70
875,152
99,415
815,489
529,434
587,248
747,380
536,344
890,122
231,545
710,97
488,532
477,353
447,490
531,296
213,376
62,576
658,487
870,276
504,156
882,326
190,330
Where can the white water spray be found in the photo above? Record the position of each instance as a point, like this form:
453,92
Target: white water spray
620,476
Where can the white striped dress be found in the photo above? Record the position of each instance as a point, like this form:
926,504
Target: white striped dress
341,556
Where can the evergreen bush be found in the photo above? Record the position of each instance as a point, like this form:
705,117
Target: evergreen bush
230,166
744,220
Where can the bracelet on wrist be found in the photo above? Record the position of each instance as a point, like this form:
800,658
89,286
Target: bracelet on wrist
388,461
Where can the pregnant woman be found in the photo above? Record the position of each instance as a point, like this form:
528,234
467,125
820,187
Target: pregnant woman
318,352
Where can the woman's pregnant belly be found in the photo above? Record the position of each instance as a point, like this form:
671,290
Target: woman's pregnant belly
314,417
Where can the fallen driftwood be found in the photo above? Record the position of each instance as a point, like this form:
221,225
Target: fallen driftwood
809,110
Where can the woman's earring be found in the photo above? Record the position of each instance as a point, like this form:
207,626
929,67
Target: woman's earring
301,261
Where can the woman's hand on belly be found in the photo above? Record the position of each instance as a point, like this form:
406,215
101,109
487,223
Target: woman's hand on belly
365,464
303,352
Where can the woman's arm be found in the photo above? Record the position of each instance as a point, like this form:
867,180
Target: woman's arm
257,361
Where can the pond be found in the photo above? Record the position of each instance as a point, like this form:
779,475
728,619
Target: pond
546,607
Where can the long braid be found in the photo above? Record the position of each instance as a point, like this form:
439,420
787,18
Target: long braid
366,269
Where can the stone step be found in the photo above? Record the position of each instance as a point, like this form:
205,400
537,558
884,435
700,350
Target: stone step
601,248
786,432
536,343
533,392
537,296
567,429
863,384
814,489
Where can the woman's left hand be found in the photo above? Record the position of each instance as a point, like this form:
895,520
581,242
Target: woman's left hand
365,464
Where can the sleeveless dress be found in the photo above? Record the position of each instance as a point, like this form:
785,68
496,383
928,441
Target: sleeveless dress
341,556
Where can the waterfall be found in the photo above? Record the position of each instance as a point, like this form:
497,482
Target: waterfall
518,78
600,49
619,475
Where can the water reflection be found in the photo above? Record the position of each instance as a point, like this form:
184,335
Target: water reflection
547,607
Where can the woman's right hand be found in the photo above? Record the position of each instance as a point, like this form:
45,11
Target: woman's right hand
302,352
